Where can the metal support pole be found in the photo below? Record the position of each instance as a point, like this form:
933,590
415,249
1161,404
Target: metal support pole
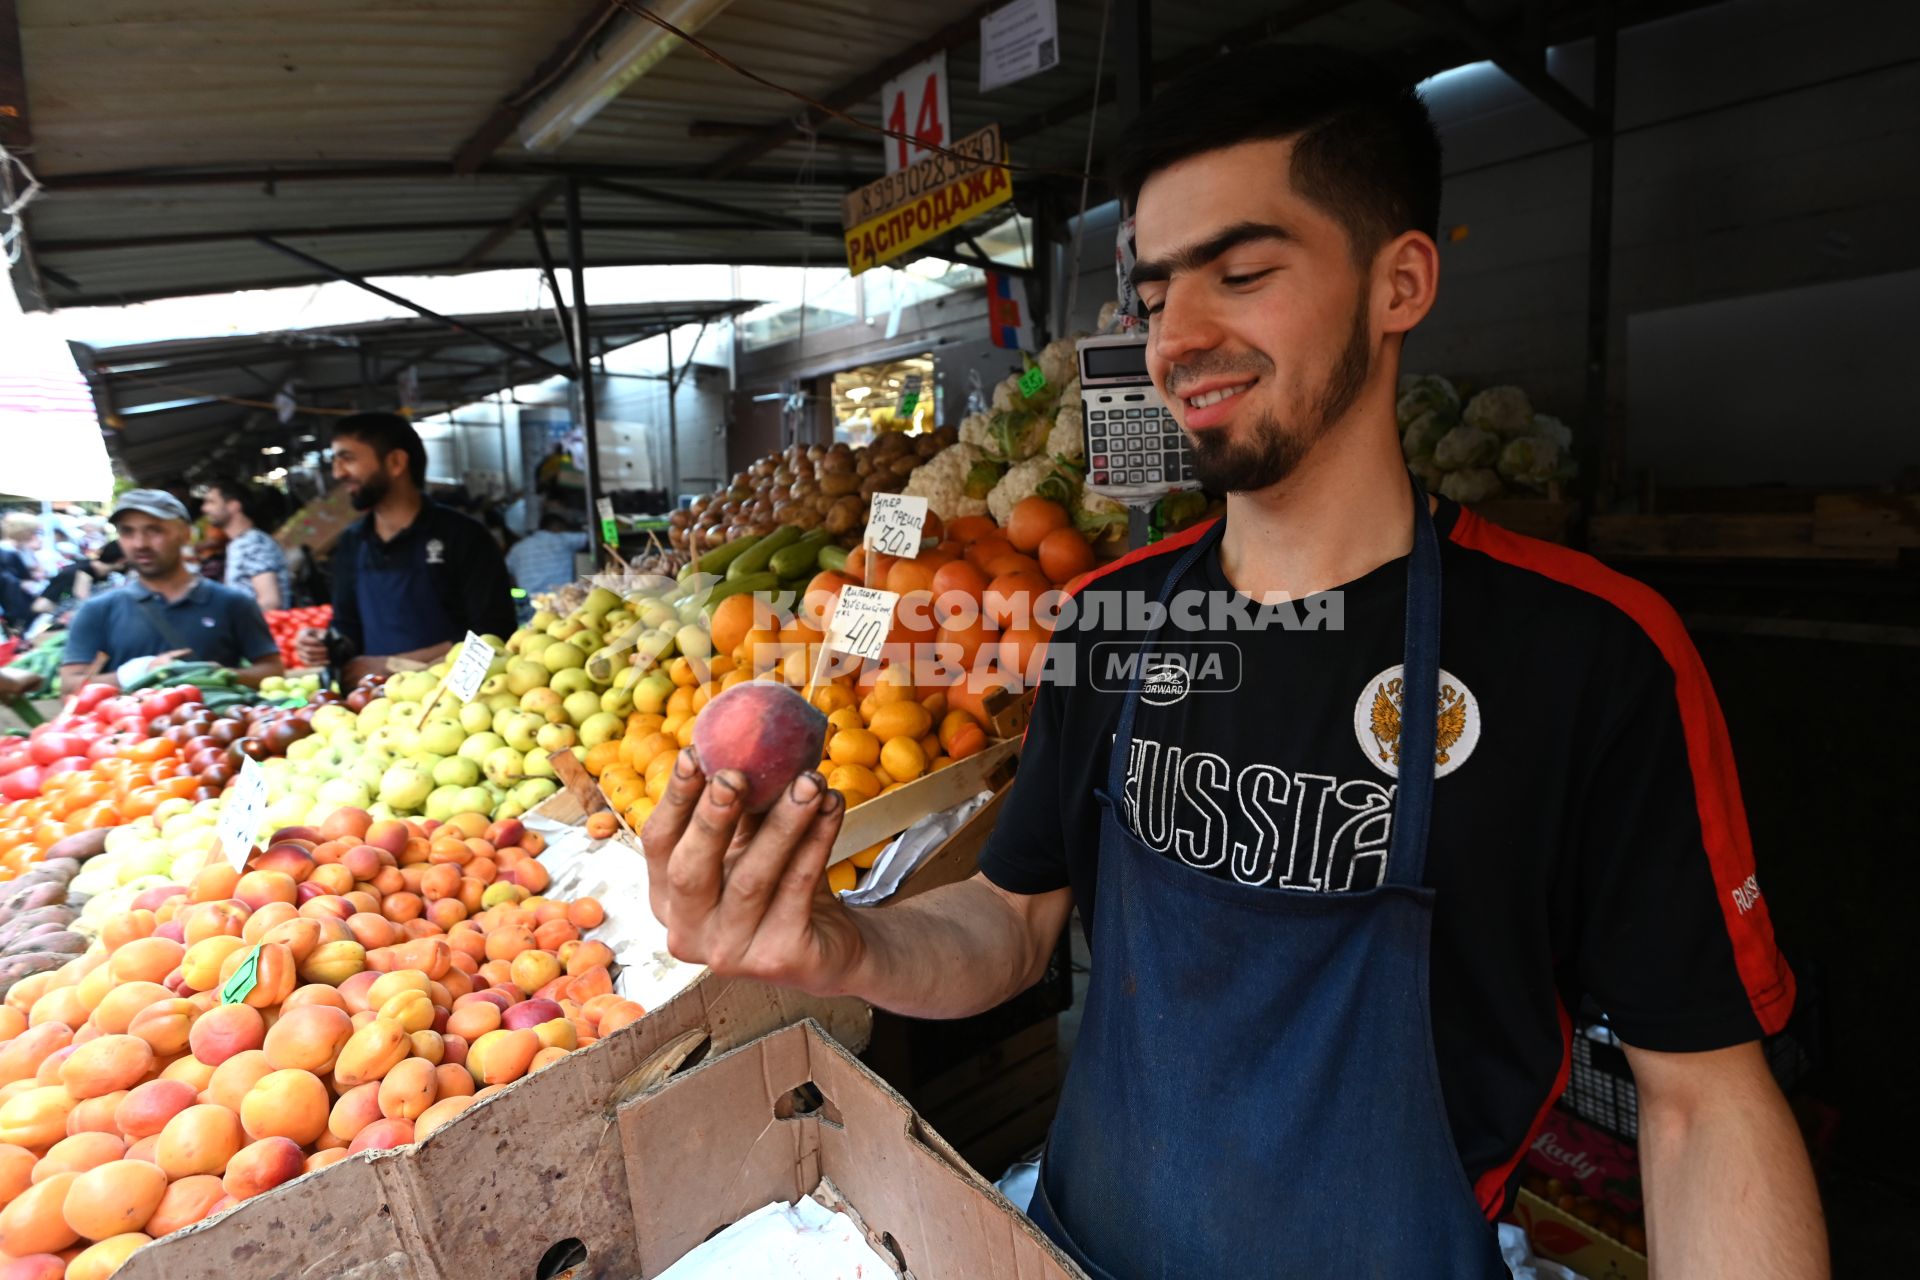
553,285
583,362
1597,451
1133,55
673,430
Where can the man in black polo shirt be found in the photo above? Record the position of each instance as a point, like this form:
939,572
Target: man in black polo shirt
412,578
166,611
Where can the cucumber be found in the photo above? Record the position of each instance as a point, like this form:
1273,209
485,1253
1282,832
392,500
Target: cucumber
799,558
833,558
736,586
754,559
717,560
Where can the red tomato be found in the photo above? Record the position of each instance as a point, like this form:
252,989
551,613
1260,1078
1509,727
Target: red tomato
90,696
154,704
118,707
180,695
108,745
21,784
45,748
67,764
134,726
14,758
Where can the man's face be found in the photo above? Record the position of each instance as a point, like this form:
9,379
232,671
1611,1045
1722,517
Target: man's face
152,544
368,476
217,509
1259,332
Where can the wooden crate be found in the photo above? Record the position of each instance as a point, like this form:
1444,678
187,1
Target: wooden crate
1863,526
993,1106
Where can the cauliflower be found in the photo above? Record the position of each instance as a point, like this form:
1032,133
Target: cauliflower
1060,360
1421,434
1100,517
1006,395
942,481
973,429
1427,474
1067,439
1040,476
1471,484
1505,411
1426,393
1465,446
1529,461
1548,427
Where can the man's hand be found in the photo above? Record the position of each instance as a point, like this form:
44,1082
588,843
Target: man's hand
310,646
748,895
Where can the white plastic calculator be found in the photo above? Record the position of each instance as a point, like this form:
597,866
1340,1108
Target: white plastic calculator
1136,452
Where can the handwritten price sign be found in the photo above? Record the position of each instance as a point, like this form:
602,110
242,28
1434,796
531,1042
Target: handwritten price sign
894,524
470,669
861,621
240,812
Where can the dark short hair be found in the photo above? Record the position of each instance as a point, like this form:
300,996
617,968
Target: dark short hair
556,521
232,490
386,433
1367,152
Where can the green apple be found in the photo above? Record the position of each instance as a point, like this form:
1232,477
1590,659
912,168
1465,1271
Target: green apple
344,792
303,748
500,700
535,645
617,702
524,676
380,812
413,686
522,726
651,694
476,717
580,704
404,786
375,714
439,806
556,737
504,766
492,685
598,602
563,657
477,745
532,791
331,716
442,739
571,680
472,800
541,701
367,769
537,763
456,771
601,726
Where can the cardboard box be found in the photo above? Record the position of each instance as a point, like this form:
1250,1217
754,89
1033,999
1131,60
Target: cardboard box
792,1113
486,1195
1560,1237
1588,1161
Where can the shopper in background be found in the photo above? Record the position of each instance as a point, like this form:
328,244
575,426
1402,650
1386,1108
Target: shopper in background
412,577
254,562
543,560
166,611
1340,901
21,579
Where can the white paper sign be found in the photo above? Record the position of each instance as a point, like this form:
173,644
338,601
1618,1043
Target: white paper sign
605,507
861,620
464,679
241,809
1018,40
915,103
894,524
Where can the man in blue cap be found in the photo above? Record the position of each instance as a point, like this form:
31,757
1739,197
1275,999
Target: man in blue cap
167,611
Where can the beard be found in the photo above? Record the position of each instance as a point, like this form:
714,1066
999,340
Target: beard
1272,448
369,494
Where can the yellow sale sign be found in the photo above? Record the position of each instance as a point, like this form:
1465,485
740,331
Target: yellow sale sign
924,217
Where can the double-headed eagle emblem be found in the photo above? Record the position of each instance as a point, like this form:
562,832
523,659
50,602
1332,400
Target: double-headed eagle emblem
1388,698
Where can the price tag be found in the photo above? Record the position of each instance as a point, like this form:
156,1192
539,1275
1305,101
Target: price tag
1032,380
240,985
894,524
609,527
470,670
241,809
861,621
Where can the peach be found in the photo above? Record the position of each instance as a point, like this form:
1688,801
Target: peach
411,1009
453,1050
557,1033
147,1107
534,968
764,731
114,1198
593,982
232,1078
95,1115
35,1266
501,1057
200,967
290,860
355,1109
61,1004
201,1139
407,1090
585,913
119,1006
546,1058
508,941
619,1015
106,1065
355,991
430,955
372,930
214,883
138,922
79,1153
286,1104
189,1071
257,888
226,918
363,861
185,1202
34,1223
274,974
321,1159
36,1117
371,1052
475,1018
344,823
307,1038
22,1056
145,1149
262,1166
389,985
17,1166
166,1025
332,879
103,1258
438,1114
329,906
428,1045
332,963
222,1032
265,918
314,993
382,1135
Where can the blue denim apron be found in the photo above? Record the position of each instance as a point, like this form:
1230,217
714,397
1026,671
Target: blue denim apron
1253,1092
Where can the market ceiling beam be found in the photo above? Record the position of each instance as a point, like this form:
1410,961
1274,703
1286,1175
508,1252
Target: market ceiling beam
176,239
505,117
16,135
1527,68
851,93
358,282
270,176
702,130
635,192
512,226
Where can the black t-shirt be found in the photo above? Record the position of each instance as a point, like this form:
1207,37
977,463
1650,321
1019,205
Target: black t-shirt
452,580
1587,834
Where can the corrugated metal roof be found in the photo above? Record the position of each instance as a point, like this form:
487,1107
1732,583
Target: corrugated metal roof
128,94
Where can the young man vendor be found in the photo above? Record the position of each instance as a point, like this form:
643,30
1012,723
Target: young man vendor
413,577
1343,896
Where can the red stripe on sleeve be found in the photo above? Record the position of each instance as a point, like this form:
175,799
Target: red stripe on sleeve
1490,1189
1716,786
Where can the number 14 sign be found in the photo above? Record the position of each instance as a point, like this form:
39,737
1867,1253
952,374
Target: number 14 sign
915,103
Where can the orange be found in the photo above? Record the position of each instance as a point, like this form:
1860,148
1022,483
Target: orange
732,620
971,528
960,644
903,759
854,746
982,550
600,757
1032,519
909,575
1013,598
1018,647
953,580
1064,555
639,753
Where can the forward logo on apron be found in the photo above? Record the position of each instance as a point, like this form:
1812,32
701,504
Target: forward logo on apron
1376,722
